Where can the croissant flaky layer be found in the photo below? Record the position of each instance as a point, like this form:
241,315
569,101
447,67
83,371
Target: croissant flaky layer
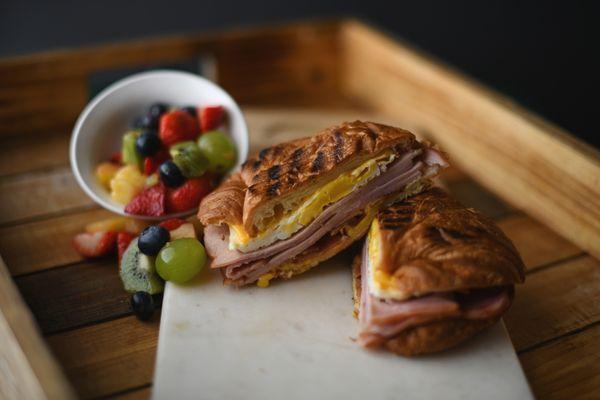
431,242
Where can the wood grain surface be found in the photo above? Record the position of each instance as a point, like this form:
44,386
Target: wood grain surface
80,306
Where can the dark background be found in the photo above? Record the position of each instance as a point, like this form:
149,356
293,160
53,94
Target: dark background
545,55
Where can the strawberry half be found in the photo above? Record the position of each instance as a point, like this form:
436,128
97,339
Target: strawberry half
177,126
211,117
123,240
188,195
172,224
150,202
97,244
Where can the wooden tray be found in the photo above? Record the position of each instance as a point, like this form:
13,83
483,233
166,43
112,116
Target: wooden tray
290,79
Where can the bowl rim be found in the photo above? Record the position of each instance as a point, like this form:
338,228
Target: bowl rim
109,90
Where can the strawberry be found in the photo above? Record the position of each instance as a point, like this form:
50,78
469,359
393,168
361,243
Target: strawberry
177,126
92,245
150,202
123,240
188,195
116,158
211,117
172,224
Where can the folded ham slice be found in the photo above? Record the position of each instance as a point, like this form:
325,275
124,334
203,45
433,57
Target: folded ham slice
243,268
382,319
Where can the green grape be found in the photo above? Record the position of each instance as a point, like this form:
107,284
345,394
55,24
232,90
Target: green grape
189,158
180,260
128,151
219,150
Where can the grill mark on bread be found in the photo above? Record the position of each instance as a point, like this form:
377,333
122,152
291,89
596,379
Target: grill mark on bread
273,172
263,153
397,217
295,164
256,165
318,162
272,189
292,175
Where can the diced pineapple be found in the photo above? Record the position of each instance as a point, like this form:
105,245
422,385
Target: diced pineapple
105,172
117,224
126,184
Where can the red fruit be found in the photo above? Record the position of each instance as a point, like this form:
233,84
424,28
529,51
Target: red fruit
123,240
177,126
97,244
172,224
151,164
211,117
150,202
116,158
187,196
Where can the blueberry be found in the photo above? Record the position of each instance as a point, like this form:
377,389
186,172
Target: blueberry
157,109
142,304
146,122
191,110
170,174
152,239
148,143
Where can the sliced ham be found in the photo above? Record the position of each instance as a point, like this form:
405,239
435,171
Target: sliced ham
247,267
382,319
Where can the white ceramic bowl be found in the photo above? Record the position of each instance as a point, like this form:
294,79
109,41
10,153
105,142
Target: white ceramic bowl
101,125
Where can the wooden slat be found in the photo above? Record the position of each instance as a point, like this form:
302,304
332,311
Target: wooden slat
533,165
555,301
108,357
40,193
537,244
34,152
51,239
136,394
76,295
566,369
27,369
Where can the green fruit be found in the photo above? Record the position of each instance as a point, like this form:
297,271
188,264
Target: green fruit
190,160
180,260
219,150
129,152
137,271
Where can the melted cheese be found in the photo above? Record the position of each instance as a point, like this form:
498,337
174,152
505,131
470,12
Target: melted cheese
379,282
310,208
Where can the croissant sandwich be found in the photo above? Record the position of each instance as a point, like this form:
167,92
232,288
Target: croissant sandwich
301,202
432,273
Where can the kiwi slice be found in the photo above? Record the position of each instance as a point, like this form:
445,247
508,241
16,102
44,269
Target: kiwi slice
138,273
189,158
129,152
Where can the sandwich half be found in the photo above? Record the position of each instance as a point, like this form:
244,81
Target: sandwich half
432,273
298,203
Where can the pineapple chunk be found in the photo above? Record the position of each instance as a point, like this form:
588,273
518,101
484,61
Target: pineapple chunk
126,184
117,224
105,172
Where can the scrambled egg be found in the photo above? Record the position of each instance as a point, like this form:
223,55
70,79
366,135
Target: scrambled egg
310,208
380,283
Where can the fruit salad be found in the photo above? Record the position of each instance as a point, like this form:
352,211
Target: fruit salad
169,160
148,255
